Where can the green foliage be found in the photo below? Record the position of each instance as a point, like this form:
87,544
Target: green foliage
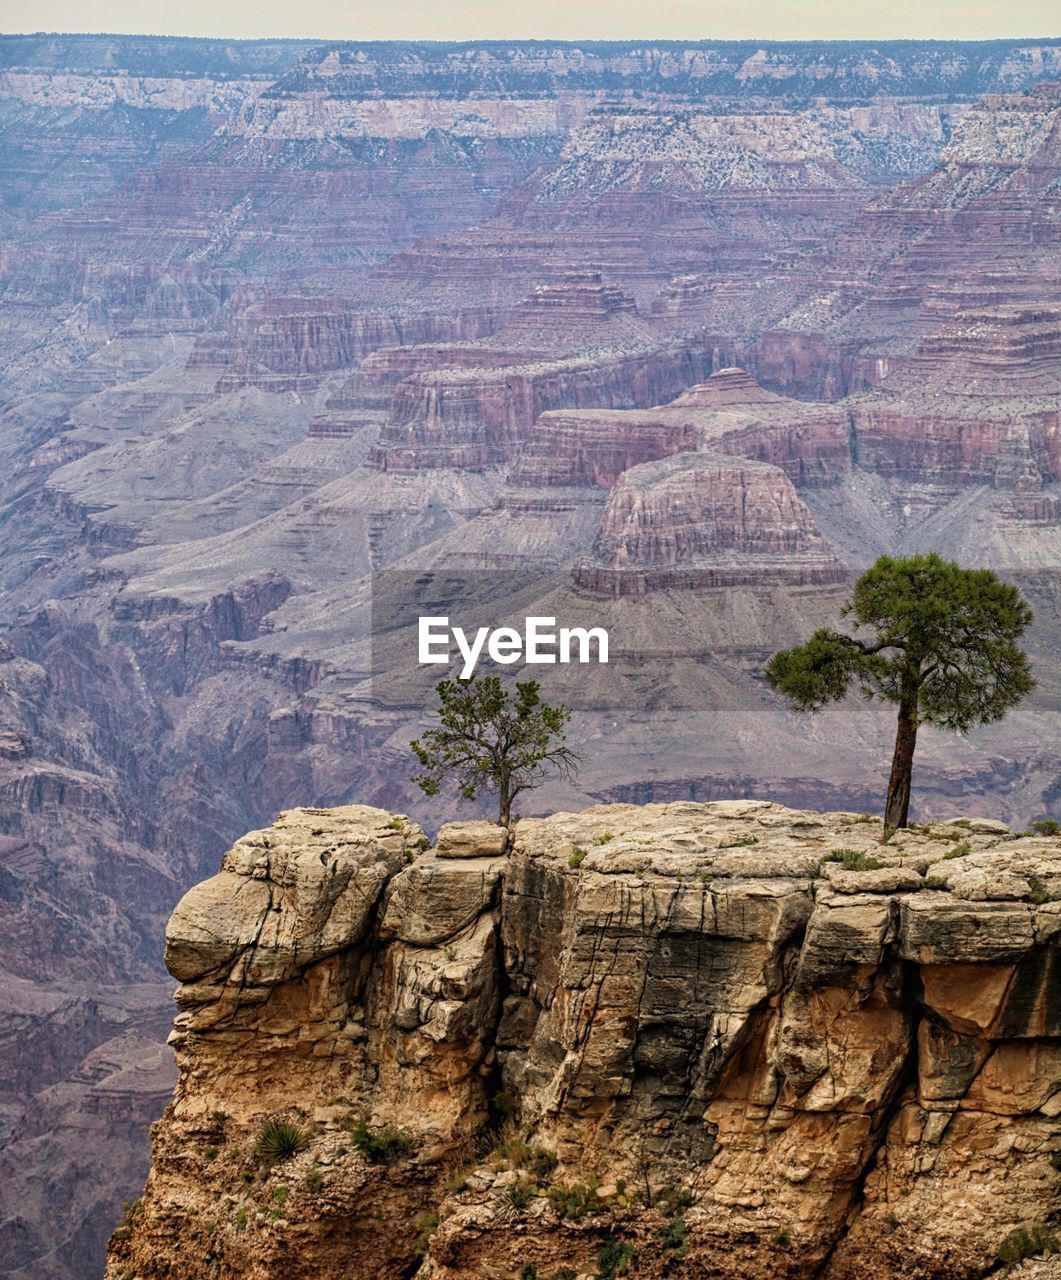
863,818
781,1238
280,1196
241,1219
891,1221
520,1194
528,1271
952,630
615,1258
380,1144
1038,892
313,1182
280,1140
672,1199
852,859
577,857
671,1237
395,824
1028,1242
522,1155
936,882
1047,827
131,1210
605,838
427,1226
494,740
576,1200
940,642
959,850
744,842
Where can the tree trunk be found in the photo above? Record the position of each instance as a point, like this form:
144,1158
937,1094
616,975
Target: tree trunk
504,815
897,807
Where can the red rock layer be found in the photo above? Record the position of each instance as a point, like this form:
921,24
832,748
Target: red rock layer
729,413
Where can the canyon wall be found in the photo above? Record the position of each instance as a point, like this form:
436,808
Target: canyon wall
727,1039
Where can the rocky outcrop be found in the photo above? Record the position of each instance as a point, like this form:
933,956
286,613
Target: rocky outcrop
744,1039
729,413
573,342
703,519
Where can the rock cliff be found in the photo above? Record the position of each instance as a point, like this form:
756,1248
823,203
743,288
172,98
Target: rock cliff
729,1039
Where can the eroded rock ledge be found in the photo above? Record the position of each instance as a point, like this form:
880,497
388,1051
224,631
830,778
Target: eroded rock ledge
722,1017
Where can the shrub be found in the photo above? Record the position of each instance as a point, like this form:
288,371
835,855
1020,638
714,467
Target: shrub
280,1140
936,882
1038,892
615,1258
959,850
1028,1242
395,824
427,1225
313,1182
672,1239
672,1199
380,1144
577,857
604,839
852,859
576,1200
744,842
781,1238
522,1155
1047,827
528,1271
520,1194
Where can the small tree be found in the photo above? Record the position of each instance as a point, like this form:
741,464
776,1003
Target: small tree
943,647
492,739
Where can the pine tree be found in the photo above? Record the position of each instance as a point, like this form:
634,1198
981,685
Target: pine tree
491,739
942,645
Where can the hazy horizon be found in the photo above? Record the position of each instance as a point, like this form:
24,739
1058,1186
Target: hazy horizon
771,20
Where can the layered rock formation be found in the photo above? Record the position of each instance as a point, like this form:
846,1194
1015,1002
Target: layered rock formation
729,1039
705,520
729,413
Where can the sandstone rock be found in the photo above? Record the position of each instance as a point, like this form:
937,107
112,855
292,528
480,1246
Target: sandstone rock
937,929
882,880
814,1053
434,900
287,897
470,840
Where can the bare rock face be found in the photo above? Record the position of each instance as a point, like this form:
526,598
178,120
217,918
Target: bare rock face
728,413
739,1039
705,519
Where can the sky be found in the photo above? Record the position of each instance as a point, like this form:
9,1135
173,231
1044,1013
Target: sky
558,19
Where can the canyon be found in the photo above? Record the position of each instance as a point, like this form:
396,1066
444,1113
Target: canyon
668,338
